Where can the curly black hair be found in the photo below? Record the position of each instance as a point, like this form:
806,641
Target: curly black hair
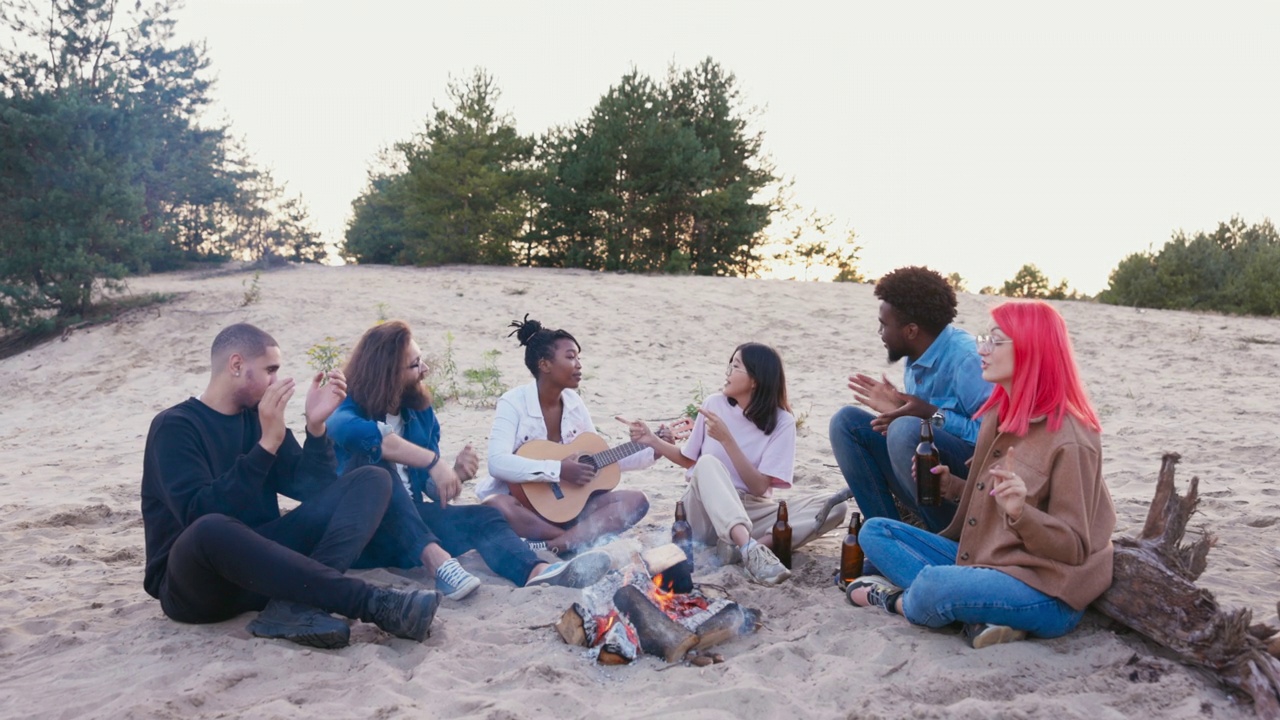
920,296
539,342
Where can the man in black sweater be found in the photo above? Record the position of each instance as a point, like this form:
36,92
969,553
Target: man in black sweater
217,544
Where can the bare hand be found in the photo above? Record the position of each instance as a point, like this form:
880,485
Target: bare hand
323,400
911,406
447,483
466,465
879,395
716,428
576,472
271,413
640,432
1008,489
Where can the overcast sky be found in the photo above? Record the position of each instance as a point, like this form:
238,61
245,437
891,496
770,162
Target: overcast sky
970,136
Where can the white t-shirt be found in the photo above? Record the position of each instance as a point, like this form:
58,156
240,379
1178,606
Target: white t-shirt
517,420
773,455
395,425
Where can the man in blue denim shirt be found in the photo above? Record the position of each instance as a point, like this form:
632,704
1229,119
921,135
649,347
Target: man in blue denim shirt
942,383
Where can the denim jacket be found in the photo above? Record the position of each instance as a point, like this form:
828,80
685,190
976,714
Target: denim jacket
357,442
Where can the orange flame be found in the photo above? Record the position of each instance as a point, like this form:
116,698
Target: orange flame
603,625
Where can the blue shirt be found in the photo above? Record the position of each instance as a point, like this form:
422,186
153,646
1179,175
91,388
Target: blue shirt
358,441
949,376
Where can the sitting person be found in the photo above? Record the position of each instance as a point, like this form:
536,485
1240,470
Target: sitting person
549,409
216,542
743,445
1030,546
387,420
942,383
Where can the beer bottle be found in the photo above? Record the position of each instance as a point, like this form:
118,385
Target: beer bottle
682,532
851,552
928,485
782,535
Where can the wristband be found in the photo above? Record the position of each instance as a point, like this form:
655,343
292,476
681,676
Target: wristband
433,463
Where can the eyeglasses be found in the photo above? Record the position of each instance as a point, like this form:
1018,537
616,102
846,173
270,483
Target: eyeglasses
988,343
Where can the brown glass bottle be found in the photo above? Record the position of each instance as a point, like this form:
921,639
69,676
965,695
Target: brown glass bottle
782,535
682,532
928,485
851,552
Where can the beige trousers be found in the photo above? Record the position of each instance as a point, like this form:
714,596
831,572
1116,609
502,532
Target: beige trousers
713,506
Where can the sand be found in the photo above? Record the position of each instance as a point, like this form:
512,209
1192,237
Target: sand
80,638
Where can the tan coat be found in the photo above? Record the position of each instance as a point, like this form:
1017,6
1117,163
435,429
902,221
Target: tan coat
1061,545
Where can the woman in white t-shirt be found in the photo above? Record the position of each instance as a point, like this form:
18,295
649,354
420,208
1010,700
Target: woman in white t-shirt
549,409
743,445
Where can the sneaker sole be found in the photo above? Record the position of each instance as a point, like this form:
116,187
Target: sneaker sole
462,590
775,580
331,640
996,635
580,572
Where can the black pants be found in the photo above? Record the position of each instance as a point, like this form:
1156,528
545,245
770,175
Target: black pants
410,526
219,567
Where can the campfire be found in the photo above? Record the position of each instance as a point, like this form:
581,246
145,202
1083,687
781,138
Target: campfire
632,611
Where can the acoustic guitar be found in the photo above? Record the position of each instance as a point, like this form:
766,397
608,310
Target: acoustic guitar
561,502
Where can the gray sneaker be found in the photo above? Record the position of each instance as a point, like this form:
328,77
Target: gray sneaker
582,571
763,566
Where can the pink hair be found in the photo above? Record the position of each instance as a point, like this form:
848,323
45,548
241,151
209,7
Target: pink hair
1045,379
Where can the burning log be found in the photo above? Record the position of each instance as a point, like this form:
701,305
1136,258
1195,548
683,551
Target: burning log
573,626
670,567
658,634
733,620
618,641
1153,591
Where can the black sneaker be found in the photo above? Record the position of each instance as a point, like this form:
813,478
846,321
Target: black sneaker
403,613
880,592
303,624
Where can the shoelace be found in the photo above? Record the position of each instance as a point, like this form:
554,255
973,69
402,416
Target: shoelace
453,573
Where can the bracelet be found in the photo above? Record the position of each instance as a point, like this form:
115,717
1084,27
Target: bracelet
433,462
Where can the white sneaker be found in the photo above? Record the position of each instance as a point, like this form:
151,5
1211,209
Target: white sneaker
763,566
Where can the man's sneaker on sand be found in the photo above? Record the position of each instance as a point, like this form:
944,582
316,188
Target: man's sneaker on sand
763,566
455,582
982,635
581,571
303,624
403,613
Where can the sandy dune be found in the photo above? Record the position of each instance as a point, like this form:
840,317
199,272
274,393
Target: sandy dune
80,638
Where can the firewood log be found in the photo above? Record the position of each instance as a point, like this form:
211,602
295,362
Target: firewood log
571,627
732,621
659,635
1153,591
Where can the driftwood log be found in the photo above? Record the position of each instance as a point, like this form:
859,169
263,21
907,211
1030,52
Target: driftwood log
659,635
1153,591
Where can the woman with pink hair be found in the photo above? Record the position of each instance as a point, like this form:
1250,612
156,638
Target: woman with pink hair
1030,545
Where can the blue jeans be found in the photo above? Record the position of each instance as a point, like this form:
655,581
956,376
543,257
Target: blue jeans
409,526
938,592
878,467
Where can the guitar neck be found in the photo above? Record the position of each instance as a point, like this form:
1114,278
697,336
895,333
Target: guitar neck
614,454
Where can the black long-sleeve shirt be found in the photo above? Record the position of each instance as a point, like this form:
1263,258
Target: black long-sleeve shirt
198,461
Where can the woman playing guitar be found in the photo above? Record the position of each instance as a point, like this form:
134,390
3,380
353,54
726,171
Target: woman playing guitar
548,409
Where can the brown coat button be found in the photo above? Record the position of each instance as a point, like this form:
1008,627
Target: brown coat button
965,556
973,521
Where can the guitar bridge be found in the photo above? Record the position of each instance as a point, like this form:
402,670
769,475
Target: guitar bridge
555,490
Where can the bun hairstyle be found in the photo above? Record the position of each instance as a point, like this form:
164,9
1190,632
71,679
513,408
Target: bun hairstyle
539,342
